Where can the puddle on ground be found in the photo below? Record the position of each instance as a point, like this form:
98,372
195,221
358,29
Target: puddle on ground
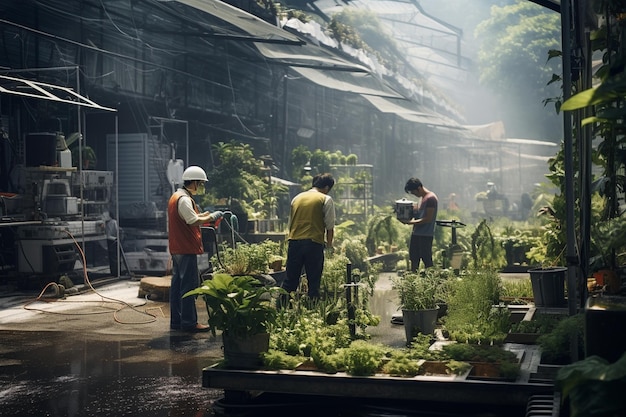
59,374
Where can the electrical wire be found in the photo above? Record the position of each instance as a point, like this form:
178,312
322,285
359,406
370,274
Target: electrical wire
122,305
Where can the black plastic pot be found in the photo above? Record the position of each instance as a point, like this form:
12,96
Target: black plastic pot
548,286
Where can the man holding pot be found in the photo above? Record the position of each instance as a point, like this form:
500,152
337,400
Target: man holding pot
423,221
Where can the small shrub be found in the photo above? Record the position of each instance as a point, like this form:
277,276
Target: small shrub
276,360
540,323
555,346
362,358
401,364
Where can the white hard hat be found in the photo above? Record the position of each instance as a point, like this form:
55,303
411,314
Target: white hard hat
194,173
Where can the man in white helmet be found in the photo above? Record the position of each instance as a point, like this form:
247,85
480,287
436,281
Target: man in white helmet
185,244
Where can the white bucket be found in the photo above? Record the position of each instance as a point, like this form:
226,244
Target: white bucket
404,209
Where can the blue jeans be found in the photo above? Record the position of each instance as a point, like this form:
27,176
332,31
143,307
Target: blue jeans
183,314
308,255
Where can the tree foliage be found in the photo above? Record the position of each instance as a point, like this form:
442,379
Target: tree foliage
515,42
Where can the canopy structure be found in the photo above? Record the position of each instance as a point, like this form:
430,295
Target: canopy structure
50,92
399,107
352,82
280,47
245,26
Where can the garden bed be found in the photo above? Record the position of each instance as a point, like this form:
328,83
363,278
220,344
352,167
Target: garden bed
419,388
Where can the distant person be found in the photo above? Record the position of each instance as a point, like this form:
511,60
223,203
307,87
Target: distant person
423,221
311,230
185,244
452,205
112,232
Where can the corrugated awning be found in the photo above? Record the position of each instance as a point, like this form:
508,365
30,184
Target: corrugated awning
308,56
280,47
385,105
352,82
249,26
43,91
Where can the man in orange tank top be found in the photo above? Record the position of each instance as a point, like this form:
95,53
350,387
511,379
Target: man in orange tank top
185,244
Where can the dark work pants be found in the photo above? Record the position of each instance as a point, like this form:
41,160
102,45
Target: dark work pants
307,254
113,259
421,248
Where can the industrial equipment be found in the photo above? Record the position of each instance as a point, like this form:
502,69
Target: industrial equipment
50,247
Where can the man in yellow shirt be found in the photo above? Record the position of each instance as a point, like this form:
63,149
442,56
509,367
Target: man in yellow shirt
311,228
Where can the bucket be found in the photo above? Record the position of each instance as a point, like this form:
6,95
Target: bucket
548,286
404,209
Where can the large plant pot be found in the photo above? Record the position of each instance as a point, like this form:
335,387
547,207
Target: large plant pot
605,327
245,352
419,321
548,286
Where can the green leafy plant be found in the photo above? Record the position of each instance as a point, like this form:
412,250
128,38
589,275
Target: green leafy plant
474,311
555,345
540,324
487,252
477,353
300,331
458,367
416,291
239,306
246,258
277,360
401,364
419,348
363,358
517,289
593,387
382,228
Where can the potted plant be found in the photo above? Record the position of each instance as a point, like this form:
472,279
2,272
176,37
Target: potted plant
241,307
418,296
248,259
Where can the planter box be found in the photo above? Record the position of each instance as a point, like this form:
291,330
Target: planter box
522,338
489,371
440,369
420,388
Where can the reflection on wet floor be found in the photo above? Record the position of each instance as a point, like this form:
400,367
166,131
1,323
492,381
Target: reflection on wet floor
59,374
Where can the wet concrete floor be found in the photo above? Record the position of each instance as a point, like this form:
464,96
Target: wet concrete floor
107,352
102,353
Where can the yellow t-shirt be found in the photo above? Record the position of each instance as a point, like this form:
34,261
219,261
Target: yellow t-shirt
312,213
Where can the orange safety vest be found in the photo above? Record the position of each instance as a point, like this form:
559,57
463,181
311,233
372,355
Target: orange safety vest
183,238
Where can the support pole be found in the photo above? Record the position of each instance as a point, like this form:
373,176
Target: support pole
349,301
